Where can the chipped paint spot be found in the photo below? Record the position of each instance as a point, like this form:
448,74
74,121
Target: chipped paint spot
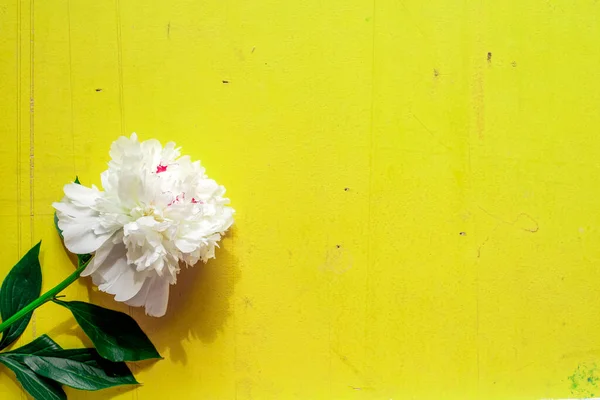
584,381
337,260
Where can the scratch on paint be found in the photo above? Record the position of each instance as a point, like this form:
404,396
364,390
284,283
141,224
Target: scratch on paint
487,239
478,98
32,145
345,361
521,216
355,370
433,135
531,227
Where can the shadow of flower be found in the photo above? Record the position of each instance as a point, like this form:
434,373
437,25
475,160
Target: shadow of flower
199,306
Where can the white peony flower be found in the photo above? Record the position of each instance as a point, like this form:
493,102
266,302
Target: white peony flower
157,210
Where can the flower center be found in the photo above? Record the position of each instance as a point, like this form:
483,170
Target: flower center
147,211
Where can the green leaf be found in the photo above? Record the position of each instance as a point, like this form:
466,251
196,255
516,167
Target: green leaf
56,226
21,286
116,335
39,345
104,373
83,355
92,358
90,374
88,356
38,387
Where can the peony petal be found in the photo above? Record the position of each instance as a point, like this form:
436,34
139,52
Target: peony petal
206,188
77,219
109,248
170,152
81,195
108,271
114,275
122,147
79,235
72,210
152,150
71,226
157,297
185,246
140,298
130,189
121,280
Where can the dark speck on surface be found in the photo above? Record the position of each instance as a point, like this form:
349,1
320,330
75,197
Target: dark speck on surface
224,81
98,90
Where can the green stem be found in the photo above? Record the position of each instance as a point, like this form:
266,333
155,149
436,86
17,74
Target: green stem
49,295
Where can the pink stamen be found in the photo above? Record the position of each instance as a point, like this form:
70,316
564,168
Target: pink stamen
181,197
175,200
161,168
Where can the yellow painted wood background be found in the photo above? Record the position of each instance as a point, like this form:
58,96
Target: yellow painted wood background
417,186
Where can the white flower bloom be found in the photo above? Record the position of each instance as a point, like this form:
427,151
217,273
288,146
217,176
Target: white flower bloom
157,210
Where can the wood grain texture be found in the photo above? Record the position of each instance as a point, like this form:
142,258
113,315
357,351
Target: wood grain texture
416,186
